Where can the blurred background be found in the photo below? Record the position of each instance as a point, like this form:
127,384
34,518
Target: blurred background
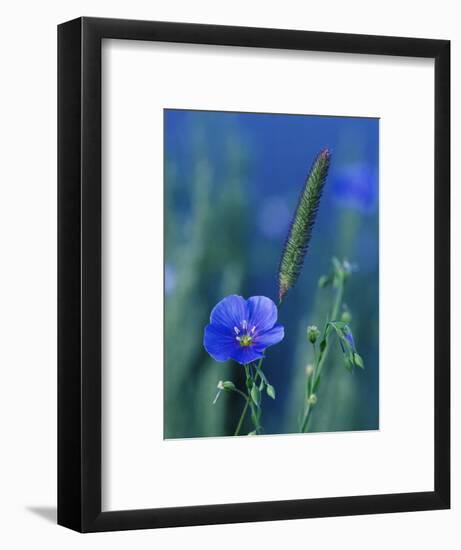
232,182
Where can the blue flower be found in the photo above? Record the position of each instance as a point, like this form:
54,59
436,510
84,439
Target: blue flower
356,186
349,337
242,329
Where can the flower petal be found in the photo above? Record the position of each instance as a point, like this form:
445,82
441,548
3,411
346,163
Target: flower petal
349,336
219,343
269,338
229,312
245,354
262,313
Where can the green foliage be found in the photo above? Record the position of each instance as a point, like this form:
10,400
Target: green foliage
346,316
227,385
312,333
337,277
255,395
270,391
358,361
312,400
336,280
302,224
351,357
325,280
198,258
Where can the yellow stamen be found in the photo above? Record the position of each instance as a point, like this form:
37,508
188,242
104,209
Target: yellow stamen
245,340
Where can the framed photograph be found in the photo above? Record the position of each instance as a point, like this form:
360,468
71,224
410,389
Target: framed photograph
254,274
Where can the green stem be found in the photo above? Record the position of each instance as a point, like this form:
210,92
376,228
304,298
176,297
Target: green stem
337,304
333,317
242,417
306,419
318,365
256,412
240,393
248,397
259,371
310,380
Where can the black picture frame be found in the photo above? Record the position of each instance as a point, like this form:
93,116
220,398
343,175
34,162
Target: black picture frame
79,274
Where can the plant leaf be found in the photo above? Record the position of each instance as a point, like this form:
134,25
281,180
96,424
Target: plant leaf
270,391
358,361
256,395
348,363
325,280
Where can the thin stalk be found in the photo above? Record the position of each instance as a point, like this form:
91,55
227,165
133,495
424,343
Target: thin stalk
249,401
259,370
242,416
333,317
255,411
306,419
318,365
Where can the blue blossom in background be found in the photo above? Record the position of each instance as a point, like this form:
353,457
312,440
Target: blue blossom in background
242,329
170,278
274,217
356,186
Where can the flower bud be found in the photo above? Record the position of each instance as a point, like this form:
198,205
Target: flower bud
346,316
309,370
313,333
227,385
347,267
312,399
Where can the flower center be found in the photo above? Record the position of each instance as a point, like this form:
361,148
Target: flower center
245,340
245,334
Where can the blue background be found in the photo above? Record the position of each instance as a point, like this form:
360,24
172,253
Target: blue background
232,181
